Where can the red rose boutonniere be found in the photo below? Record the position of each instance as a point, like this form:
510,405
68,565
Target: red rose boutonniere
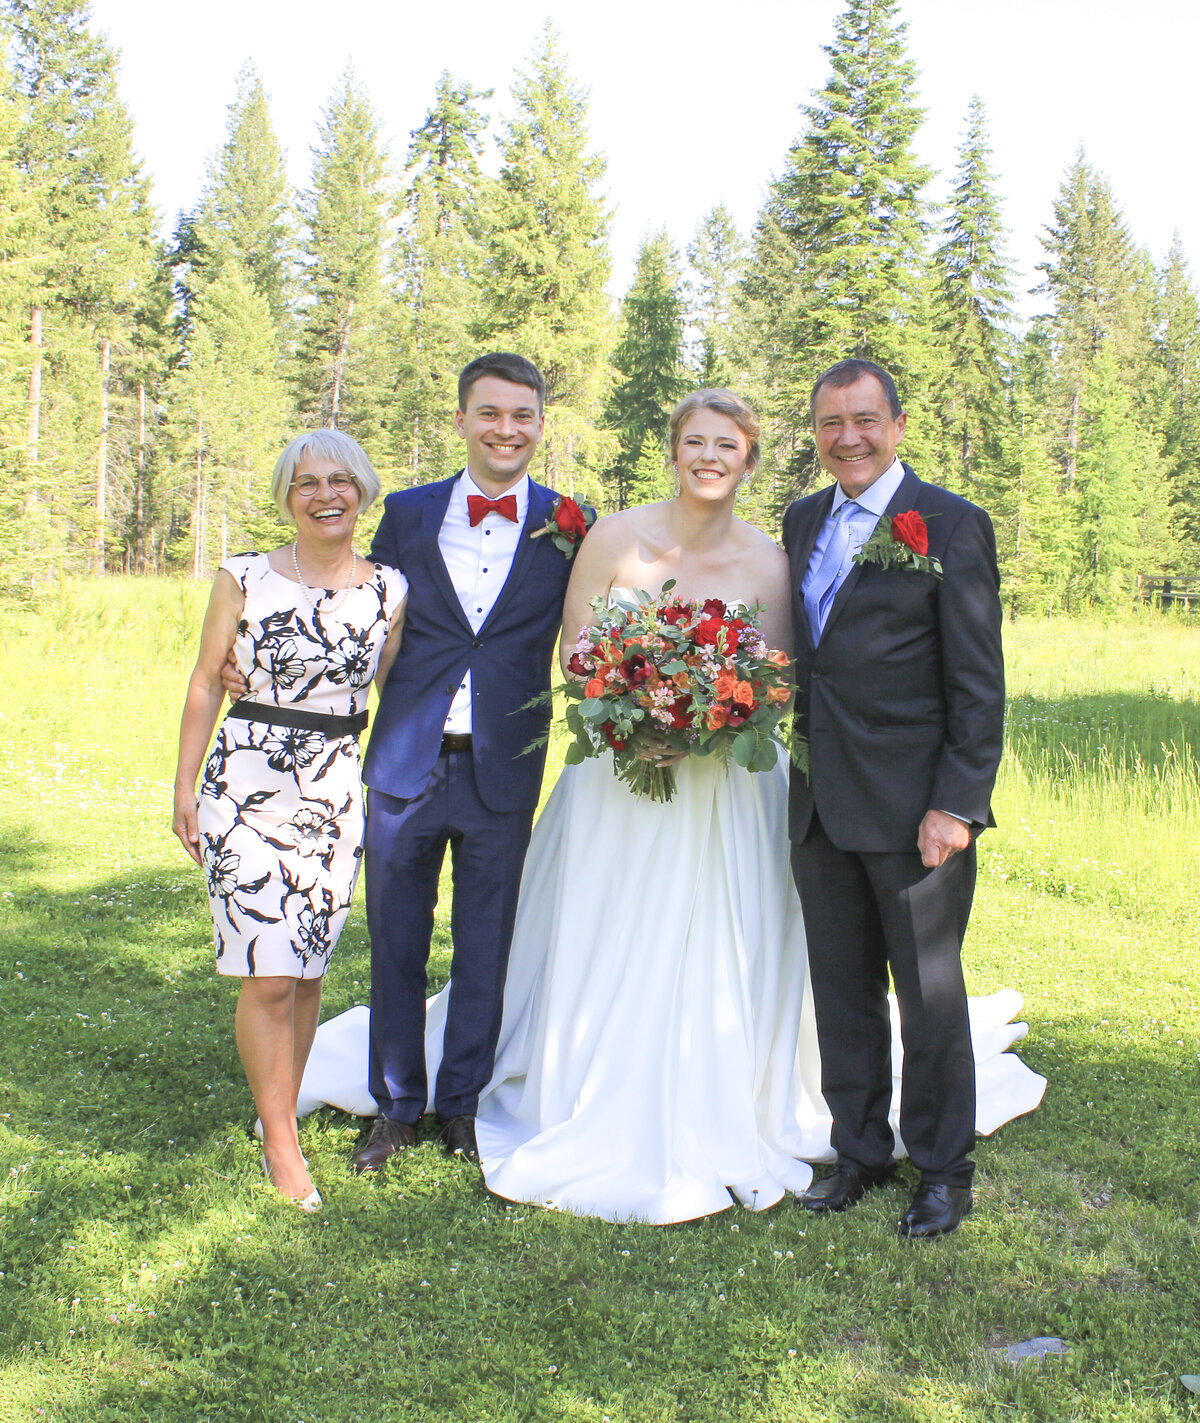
900,541
567,525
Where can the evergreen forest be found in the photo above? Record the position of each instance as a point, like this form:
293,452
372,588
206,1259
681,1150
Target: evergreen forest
148,383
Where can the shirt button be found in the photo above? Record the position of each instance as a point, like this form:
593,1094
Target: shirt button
485,570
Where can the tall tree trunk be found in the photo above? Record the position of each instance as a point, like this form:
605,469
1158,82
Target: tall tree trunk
340,357
198,563
102,460
139,508
35,386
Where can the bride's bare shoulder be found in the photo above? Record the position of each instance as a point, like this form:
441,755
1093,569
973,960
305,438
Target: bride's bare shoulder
628,525
760,545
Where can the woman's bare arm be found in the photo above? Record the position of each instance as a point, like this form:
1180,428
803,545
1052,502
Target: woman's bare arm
203,703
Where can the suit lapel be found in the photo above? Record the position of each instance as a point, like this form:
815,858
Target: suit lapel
431,526
904,498
805,542
536,513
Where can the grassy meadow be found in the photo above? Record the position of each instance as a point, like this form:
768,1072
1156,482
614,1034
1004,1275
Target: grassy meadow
147,1272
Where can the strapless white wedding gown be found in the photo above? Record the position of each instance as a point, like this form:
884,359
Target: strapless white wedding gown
658,1056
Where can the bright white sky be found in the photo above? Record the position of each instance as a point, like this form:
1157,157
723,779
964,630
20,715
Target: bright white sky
695,102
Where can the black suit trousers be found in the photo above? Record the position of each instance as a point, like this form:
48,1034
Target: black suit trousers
866,913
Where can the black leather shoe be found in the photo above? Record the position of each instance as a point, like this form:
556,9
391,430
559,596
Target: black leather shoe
844,1187
458,1137
936,1210
387,1137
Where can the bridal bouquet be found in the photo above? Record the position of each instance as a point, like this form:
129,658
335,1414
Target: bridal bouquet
662,675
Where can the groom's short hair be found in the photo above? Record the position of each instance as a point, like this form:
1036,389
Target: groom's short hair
506,366
846,373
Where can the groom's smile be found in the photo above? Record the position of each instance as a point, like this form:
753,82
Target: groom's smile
502,425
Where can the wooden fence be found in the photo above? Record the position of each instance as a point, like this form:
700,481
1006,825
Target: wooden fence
1180,590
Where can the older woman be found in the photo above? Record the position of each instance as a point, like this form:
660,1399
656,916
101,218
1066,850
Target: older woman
278,824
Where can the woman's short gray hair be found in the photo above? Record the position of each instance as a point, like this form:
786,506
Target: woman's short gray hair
333,445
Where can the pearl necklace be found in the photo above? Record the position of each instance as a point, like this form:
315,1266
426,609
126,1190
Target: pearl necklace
337,602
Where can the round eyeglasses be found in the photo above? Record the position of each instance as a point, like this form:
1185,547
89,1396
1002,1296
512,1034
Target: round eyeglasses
307,485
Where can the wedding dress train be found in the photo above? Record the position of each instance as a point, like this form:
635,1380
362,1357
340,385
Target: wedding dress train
658,1055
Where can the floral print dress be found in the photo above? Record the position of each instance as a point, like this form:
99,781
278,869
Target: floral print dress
281,810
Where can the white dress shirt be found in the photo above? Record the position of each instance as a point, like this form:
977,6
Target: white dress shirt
478,560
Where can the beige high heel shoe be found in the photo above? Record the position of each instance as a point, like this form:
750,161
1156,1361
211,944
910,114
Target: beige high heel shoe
311,1202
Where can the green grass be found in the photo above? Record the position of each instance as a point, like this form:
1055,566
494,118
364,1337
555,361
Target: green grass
149,1273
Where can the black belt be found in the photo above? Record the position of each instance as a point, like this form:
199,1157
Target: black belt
300,720
455,741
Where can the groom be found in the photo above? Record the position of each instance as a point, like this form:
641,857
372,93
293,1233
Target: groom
445,763
900,692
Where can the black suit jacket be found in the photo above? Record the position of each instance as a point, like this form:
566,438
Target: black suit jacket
902,701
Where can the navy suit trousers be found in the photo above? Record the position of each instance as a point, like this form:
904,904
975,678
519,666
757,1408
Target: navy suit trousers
405,847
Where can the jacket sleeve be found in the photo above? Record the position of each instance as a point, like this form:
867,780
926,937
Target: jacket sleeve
383,545
969,622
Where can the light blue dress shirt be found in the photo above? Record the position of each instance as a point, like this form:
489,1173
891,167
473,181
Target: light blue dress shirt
872,501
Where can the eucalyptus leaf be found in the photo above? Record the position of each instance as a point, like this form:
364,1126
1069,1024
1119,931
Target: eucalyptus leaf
669,669
1190,1382
575,755
745,743
593,708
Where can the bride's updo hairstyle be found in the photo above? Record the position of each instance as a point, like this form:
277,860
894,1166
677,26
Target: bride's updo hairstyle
724,402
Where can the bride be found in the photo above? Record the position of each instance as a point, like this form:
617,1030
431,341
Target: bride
658,1057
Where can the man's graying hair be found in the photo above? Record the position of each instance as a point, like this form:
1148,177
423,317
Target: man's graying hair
846,373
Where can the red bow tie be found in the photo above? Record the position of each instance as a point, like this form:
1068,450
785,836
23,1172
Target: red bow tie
478,507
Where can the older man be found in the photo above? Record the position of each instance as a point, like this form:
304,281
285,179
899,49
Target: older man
900,691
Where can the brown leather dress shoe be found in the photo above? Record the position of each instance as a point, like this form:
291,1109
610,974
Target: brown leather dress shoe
387,1137
458,1137
844,1187
936,1210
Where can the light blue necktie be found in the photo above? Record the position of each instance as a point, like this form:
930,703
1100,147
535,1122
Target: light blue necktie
819,597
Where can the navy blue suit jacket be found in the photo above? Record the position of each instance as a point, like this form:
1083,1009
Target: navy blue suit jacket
509,658
902,700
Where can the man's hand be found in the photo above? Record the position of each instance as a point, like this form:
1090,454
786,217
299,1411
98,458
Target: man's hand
939,837
231,679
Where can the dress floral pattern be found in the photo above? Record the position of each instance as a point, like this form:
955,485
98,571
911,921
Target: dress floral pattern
281,809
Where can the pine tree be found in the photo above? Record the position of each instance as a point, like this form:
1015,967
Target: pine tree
437,265
1179,344
838,266
717,255
1096,279
229,413
75,147
649,479
25,536
648,360
338,368
245,213
972,315
1121,492
548,263
1035,519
